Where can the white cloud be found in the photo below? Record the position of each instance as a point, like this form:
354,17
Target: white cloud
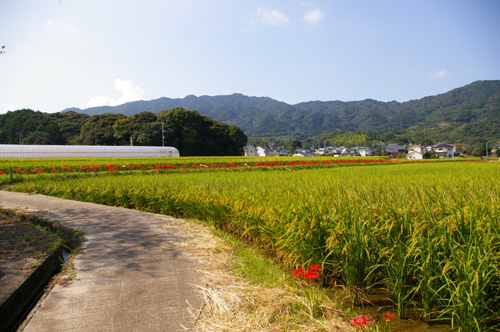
66,28
439,74
314,16
5,107
272,17
129,90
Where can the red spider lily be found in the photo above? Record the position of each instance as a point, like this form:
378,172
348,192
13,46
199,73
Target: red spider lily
388,315
361,321
316,267
311,275
299,273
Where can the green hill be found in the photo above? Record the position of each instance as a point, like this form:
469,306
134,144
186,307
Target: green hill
470,114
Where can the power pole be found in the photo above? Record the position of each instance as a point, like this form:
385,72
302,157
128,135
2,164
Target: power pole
162,134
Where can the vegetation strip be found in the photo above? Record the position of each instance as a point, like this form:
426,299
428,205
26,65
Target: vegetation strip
428,233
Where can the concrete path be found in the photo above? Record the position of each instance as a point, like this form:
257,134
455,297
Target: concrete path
131,276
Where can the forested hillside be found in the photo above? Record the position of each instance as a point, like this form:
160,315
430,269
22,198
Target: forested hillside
191,133
470,114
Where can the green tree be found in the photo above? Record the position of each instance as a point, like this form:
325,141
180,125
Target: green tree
70,124
198,135
293,144
98,130
256,141
28,127
144,129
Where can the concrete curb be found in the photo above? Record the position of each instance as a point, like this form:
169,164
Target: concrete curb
16,307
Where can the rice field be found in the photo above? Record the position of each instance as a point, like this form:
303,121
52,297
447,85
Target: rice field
427,234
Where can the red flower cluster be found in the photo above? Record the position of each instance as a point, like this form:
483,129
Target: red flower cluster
313,274
361,321
115,168
388,315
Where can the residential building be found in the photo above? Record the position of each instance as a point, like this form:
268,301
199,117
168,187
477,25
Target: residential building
365,152
393,150
443,150
263,151
250,151
416,151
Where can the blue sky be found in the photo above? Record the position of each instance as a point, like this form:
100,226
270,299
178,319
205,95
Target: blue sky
82,53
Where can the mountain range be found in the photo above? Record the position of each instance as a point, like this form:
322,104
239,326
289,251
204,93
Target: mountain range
469,114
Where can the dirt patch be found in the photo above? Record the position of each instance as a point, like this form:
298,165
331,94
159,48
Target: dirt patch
23,247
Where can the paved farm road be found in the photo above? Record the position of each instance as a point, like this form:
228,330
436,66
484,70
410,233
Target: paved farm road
131,276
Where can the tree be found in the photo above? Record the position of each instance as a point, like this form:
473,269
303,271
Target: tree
70,124
293,144
98,130
237,141
28,127
255,141
143,128
198,135
480,151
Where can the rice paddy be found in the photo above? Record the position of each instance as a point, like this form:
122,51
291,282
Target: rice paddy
426,235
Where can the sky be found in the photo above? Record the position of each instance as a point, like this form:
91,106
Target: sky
85,53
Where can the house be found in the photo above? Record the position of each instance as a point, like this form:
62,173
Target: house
263,151
322,151
365,152
250,151
416,151
393,149
302,154
443,150
350,152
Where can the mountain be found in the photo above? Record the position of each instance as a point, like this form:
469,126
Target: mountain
471,112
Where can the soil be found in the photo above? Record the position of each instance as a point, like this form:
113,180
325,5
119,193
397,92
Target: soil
23,247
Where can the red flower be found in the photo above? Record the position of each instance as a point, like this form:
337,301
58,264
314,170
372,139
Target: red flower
316,267
361,321
311,275
298,273
388,315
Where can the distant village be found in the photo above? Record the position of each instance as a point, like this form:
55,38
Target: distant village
412,152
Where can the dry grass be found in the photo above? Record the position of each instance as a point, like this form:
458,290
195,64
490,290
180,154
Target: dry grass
233,304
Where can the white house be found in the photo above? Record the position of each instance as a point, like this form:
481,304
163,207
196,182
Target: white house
302,154
443,150
416,151
250,151
365,152
263,151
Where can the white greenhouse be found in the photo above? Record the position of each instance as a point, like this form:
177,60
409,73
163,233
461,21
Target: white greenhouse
85,151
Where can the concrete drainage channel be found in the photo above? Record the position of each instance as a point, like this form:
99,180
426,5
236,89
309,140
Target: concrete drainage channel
18,305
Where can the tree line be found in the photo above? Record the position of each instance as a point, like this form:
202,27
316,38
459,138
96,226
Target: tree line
188,131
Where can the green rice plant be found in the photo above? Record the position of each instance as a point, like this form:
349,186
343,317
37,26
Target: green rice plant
471,273
430,257
354,244
407,224
398,258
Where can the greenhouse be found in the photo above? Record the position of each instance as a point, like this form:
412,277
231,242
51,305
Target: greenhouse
85,151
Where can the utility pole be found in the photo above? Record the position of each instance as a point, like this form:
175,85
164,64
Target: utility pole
131,141
20,136
486,150
162,134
